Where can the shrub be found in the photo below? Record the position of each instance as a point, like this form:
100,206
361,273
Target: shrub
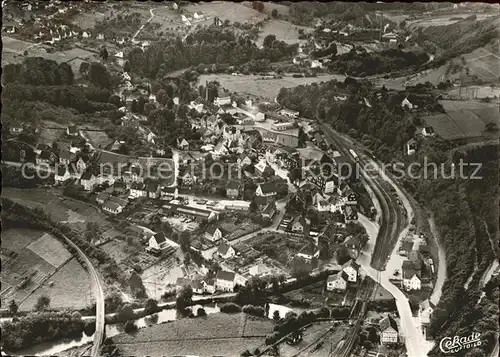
254,310
230,308
201,312
130,326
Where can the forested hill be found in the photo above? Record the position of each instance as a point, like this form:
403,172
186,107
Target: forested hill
466,215
375,117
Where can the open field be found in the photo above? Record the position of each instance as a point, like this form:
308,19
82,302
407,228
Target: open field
62,209
51,250
283,30
71,288
99,139
215,334
444,20
28,255
266,88
87,20
464,119
234,13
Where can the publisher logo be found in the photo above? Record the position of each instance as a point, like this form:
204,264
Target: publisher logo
456,343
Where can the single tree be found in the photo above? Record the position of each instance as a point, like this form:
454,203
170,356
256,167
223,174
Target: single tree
184,298
13,308
274,13
151,306
42,303
276,316
201,312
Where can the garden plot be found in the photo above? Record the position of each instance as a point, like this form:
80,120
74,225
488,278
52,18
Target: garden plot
51,250
69,288
98,139
158,277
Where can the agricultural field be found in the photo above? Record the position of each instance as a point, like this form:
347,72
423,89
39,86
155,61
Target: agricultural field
463,119
69,288
444,20
266,88
39,260
62,209
159,276
234,13
15,46
478,92
283,30
215,334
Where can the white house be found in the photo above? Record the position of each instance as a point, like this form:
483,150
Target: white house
112,207
388,330
220,149
224,281
351,268
406,104
289,113
137,190
62,174
220,101
425,311
225,251
81,166
411,276
213,233
428,131
337,282
88,180
259,270
411,147
316,64
158,241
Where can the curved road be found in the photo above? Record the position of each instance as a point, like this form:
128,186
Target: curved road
99,295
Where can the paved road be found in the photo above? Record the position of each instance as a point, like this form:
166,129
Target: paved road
441,273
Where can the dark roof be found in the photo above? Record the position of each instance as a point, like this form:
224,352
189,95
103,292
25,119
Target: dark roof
409,270
72,129
87,175
61,170
268,187
42,146
211,229
111,205
45,154
407,246
387,322
65,154
118,200
160,237
225,275
103,195
269,208
350,263
223,248
152,186
233,185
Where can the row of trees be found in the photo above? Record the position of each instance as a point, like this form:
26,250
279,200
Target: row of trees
40,327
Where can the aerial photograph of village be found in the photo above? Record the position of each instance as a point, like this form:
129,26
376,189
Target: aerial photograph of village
293,178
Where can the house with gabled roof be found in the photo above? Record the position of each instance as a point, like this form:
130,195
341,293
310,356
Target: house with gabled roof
389,332
224,281
158,241
153,189
112,207
310,252
351,268
266,189
300,225
337,282
65,157
225,251
353,245
138,189
411,276
62,174
183,144
213,233
88,180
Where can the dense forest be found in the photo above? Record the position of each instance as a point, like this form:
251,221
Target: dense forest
467,219
379,122
356,63
213,45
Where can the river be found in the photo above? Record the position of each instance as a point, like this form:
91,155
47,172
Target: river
167,315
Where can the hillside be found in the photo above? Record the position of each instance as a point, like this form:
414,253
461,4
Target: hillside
456,39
